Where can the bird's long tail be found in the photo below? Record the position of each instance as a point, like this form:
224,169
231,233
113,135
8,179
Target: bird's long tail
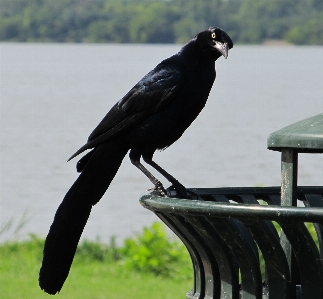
73,212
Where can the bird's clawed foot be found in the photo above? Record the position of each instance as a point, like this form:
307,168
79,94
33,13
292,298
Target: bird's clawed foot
159,188
177,190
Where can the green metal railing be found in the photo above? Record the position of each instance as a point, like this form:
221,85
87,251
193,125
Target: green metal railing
225,228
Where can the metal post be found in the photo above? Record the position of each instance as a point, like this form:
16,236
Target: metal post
289,163
289,177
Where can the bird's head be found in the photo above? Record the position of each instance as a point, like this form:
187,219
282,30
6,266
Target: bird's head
215,42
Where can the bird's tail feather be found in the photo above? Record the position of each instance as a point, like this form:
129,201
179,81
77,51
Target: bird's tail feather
73,212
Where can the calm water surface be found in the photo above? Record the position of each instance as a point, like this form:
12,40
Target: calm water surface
52,97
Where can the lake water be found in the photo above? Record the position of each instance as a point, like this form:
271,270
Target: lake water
53,95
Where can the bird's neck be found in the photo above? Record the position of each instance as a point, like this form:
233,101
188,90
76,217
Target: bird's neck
194,55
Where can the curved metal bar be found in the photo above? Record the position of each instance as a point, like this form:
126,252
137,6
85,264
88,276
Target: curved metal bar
316,200
238,238
223,198
251,199
198,289
308,259
214,209
224,256
207,278
268,241
211,279
212,227
275,259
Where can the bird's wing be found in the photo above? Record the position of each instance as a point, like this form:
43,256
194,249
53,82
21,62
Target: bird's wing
150,94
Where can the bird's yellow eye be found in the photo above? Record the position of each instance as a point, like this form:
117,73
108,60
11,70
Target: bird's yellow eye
213,35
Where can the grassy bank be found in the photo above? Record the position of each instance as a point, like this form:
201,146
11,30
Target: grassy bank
149,265
102,271
19,279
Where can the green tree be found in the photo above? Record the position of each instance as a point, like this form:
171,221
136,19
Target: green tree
310,33
9,28
152,23
260,20
160,21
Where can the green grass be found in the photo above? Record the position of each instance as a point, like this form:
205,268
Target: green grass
148,265
99,271
19,279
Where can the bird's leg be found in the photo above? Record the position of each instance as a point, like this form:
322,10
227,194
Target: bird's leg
158,185
180,189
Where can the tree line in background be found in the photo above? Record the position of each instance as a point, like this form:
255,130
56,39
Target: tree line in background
160,21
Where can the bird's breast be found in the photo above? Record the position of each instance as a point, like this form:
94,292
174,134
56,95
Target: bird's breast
164,127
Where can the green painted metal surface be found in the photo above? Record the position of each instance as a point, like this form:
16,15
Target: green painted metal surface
223,229
305,136
216,209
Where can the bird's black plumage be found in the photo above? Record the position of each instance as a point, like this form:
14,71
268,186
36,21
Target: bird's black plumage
151,116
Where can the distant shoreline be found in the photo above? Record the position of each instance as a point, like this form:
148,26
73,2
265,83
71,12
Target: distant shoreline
269,42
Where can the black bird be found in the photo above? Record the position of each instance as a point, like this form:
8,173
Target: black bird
152,115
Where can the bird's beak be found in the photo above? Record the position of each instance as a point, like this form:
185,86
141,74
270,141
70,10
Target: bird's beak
223,48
